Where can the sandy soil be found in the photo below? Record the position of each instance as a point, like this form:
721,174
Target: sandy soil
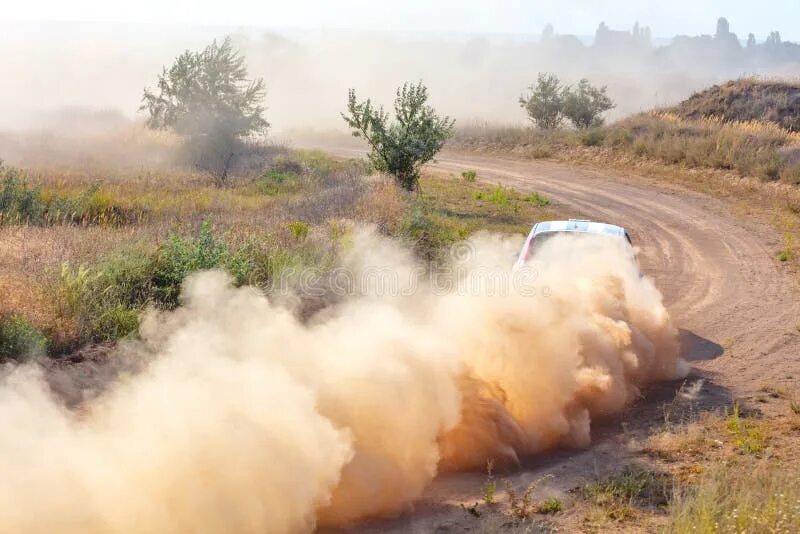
737,307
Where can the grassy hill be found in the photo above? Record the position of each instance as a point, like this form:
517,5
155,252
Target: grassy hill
746,100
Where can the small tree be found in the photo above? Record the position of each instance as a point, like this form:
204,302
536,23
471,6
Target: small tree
584,104
400,148
208,98
544,104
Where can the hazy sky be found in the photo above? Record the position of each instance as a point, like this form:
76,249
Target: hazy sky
665,17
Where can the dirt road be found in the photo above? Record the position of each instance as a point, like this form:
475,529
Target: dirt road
737,307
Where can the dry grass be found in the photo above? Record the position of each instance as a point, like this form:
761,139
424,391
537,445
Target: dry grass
283,217
755,165
756,149
167,201
739,497
746,99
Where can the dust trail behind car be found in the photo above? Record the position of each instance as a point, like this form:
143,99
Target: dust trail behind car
249,419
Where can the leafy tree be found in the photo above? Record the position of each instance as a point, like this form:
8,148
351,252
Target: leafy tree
544,104
584,104
401,147
209,98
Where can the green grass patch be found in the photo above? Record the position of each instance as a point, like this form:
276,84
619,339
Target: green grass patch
749,436
550,506
536,199
20,339
622,494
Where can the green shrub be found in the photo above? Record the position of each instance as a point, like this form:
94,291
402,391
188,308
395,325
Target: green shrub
274,182
179,256
584,104
592,137
402,146
299,230
105,300
749,436
501,195
537,199
633,487
469,175
20,340
550,506
431,233
19,204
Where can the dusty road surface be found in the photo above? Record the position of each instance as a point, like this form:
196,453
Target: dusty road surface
737,307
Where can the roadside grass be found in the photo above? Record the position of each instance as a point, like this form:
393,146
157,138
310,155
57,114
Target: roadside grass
483,206
89,271
753,164
89,276
734,471
624,495
739,497
756,149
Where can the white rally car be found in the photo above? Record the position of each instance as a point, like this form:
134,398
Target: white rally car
545,230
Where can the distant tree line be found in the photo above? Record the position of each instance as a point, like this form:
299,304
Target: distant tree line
722,44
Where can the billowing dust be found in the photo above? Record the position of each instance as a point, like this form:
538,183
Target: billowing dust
248,419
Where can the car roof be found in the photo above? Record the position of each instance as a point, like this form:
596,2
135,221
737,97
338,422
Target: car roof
576,225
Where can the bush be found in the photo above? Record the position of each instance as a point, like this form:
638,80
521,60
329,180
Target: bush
545,103
20,340
413,139
585,104
592,137
501,195
19,204
431,233
179,256
104,301
469,175
549,102
550,506
299,230
275,182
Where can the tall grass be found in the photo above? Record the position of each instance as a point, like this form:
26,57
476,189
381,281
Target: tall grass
753,148
739,497
21,203
20,340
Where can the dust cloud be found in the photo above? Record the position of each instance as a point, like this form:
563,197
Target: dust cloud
248,419
103,68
